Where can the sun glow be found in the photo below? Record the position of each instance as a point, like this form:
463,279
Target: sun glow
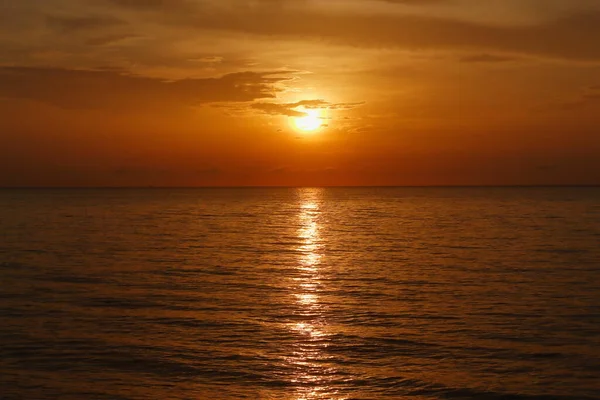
309,122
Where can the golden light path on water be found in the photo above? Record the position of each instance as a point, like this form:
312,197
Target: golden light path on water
308,358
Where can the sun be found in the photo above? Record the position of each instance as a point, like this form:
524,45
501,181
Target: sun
310,122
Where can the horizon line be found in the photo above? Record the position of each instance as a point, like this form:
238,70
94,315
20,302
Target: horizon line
306,186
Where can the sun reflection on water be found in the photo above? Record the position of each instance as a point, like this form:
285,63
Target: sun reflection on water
308,232
310,326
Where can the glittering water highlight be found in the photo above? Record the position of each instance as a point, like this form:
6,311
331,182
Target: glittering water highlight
374,293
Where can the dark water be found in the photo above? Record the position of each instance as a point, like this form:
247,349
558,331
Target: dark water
300,294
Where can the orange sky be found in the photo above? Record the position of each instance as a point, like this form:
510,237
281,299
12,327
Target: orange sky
209,92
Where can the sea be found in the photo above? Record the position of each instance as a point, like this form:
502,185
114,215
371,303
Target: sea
300,293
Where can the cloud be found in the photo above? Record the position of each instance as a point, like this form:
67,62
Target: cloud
486,58
290,109
115,90
163,6
566,36
589,97
106,40
208,59
345,106
69,24
151,4
278,109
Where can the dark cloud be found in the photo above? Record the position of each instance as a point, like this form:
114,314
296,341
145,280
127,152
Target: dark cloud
108,39
152,5
70,24
278,109
290,109
147,3
588,98
106,89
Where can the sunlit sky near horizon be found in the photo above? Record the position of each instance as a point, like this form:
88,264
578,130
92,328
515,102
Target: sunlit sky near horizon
299,92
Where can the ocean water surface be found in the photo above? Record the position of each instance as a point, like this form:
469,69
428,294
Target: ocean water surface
307,293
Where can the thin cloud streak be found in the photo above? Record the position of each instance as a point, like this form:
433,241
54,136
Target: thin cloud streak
113,90
565,37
